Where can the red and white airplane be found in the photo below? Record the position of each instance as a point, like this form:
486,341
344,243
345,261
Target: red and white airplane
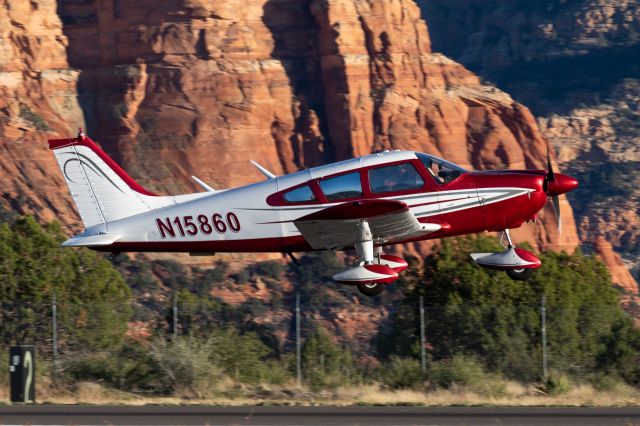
391,197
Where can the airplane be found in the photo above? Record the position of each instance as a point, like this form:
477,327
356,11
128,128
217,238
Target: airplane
365,203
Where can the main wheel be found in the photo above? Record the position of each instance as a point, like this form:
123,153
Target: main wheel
520,274
371,289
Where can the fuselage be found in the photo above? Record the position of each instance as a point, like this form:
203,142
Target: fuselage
259,217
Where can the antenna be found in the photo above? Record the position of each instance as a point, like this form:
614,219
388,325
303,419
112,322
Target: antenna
264,171
203,185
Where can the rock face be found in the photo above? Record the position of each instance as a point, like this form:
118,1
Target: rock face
576,63
499,34
38,99
619,273
198,88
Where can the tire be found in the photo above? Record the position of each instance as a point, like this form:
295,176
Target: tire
520,274
371,289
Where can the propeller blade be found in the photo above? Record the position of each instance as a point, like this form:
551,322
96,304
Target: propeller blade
551,176
556,210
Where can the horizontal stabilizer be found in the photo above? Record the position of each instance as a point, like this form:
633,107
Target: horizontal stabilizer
91,240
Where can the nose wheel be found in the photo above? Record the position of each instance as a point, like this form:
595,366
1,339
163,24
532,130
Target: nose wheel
371,289
520,274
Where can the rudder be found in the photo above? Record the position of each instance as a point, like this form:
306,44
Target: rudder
102,190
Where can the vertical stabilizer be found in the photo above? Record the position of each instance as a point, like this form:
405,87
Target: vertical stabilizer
101,190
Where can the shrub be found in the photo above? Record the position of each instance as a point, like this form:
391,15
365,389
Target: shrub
465,372
213,276
241,277
275,373
4,372
555,384
608,383
325,364
241,356
400,373
187,364
131,369
271,268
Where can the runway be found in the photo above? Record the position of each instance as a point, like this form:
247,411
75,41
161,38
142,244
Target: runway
279,415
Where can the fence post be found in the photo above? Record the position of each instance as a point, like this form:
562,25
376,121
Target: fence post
175,314
543,315
423,357
298,348
54,331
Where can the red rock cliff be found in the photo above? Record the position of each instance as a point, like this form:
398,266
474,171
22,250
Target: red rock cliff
200,87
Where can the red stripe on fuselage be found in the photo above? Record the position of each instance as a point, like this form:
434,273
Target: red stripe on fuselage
257,245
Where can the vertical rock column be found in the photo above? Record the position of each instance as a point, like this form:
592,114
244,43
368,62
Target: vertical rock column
37,102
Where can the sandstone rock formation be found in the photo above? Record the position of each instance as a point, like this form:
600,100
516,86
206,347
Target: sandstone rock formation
619,273
38,99
576,64
172,90
498,34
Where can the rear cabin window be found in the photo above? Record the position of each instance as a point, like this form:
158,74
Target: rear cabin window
399,177
299,195
341,187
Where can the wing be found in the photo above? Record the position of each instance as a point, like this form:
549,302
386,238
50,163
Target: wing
334,227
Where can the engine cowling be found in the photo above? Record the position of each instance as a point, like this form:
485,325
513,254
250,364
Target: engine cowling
363,274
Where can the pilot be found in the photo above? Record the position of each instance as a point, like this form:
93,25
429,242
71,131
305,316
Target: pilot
430,167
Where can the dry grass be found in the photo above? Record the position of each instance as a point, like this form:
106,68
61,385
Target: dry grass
515,395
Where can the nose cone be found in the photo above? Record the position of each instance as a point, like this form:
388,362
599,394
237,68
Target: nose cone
561,185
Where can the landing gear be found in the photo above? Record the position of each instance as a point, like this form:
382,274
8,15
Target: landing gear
371,289
368,253
371,273
520,274
516,262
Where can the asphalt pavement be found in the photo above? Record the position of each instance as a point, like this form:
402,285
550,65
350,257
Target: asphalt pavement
279,415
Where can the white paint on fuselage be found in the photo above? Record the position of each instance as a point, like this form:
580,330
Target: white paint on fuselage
259,220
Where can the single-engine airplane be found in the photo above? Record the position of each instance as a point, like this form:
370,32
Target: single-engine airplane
390,197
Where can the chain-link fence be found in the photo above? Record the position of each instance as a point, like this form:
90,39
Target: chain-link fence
521,342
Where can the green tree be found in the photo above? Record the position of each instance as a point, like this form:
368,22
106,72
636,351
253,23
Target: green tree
93,300
484,314
325,364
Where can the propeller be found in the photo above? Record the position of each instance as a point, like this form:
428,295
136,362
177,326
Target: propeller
551,177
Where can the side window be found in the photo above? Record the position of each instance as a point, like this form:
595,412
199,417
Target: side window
299,195
442,171
399,177
341,187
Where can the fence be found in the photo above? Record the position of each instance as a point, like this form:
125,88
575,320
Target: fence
522,341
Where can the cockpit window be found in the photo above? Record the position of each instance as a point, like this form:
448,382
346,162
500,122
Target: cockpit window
341,187
441,170
399,177
299,195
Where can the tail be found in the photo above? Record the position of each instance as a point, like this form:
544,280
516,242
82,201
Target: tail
101,190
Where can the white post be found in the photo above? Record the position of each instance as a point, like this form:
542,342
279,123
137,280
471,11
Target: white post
423,355
54,330
543,314
175,314
298,348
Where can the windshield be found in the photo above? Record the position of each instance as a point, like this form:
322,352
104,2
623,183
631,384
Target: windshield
442,171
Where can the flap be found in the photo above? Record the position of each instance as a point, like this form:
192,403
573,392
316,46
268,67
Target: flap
335,227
